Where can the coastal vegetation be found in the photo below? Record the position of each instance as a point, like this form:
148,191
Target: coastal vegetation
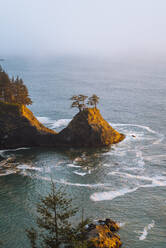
19,127
13,90
54,228
53,221
79,101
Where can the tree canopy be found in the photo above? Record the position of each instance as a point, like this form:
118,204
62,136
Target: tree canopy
93,100
53,221
79,101
13,90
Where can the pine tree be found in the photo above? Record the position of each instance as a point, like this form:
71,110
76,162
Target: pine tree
5,91
13,90
93,100
54,212
78,102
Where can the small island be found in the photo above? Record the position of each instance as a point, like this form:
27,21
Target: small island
20,128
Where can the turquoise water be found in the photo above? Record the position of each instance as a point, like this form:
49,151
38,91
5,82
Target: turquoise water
126,182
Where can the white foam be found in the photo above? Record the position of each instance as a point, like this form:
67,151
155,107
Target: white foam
54,123
157,181
22,148
28,167
134,125
110,195
146,229
8,172
60,123
73,166
13,150
2,151
127,175
63,181
80,173
122,224
44,120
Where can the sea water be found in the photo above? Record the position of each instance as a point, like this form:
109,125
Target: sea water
126,182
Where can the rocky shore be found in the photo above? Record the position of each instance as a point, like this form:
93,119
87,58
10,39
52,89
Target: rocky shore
20,128
103,234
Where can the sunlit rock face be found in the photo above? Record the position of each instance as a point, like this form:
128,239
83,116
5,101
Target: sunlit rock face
19,127
103,235
89,129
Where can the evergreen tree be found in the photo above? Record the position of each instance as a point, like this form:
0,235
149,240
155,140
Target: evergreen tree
20,92
93,100
82,99
78,102
13,90
54,212
5,92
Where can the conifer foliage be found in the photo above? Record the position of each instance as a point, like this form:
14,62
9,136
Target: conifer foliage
53,221
13,90
79,101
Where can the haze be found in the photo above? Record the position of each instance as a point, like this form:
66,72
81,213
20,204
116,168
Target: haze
112,28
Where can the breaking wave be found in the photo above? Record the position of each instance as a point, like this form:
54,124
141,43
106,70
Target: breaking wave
146,229
54,123
158,181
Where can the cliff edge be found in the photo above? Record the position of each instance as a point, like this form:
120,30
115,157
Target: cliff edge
20,128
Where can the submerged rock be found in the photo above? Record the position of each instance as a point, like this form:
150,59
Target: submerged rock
20,128
89,129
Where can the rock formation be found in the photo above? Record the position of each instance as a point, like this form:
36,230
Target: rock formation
103,235
20,128
89,129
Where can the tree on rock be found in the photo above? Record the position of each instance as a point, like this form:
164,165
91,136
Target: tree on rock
93,100
82,99
13,90
21,92
5,86
78,102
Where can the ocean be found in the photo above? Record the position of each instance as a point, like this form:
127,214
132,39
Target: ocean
126,182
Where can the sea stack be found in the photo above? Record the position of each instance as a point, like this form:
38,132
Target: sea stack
20,128
89,129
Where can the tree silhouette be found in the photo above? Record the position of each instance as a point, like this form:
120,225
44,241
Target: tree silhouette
93,100
82,99
54,212
78,102
13,90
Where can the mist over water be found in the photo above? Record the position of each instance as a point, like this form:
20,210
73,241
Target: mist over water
111,28
127,182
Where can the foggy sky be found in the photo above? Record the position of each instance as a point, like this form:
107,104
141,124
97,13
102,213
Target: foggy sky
110,27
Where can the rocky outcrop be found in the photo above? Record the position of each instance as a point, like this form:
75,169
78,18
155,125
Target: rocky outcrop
89,129
103,235
20,128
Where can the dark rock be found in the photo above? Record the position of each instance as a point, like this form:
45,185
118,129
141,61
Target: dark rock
20,128
89,129
103,234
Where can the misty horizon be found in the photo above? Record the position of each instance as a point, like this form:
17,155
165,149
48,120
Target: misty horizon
99,28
